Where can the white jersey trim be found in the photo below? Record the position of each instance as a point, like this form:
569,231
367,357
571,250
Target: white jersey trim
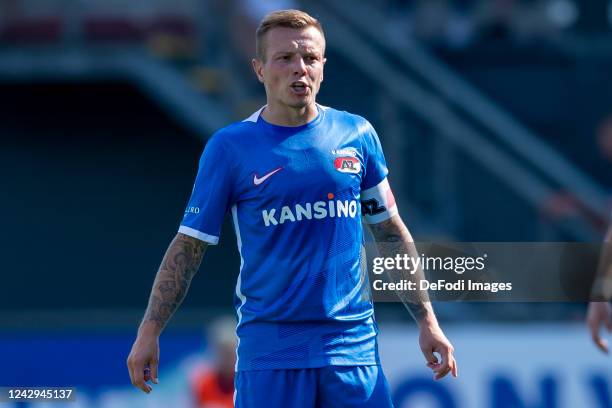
211,239
239,280
378,203
255,115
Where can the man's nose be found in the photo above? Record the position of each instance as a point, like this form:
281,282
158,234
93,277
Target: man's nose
299,65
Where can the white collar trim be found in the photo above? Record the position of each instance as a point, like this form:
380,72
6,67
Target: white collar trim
255,115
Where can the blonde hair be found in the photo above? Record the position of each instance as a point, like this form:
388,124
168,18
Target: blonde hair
296,19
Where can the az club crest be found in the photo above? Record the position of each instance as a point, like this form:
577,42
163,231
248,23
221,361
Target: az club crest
347,165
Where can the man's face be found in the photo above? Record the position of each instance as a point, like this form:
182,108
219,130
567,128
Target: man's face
293,68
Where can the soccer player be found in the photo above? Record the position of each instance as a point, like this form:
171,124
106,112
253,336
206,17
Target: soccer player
292,175
600,312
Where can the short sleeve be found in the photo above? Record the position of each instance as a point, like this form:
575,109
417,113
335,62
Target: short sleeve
377,200
211,195
375,169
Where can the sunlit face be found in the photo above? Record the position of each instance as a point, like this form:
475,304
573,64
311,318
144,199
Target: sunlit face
292,70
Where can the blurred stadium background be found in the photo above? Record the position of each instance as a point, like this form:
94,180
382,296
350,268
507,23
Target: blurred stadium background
496,119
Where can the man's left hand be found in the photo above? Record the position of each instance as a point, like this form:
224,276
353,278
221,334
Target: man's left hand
432,340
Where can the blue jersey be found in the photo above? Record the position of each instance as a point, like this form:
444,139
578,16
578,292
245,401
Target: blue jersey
294,193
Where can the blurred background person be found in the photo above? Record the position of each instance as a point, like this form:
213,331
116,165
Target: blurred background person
599,314
568,206
212,384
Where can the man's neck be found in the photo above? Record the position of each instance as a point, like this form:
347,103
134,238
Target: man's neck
289,116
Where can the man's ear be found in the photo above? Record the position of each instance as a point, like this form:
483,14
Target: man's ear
258,68
323,71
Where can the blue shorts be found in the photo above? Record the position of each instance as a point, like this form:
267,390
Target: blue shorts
331,386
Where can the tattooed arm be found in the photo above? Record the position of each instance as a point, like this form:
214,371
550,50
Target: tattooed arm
178,267
392,238
180,264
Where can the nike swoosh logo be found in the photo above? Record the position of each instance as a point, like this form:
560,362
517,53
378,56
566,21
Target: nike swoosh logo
257,181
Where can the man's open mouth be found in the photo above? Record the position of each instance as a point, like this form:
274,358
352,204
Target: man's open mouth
299,87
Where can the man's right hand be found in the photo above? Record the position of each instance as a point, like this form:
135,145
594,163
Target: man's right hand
144,356
599,314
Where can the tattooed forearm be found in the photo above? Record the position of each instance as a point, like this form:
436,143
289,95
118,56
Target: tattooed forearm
392,238
180,264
